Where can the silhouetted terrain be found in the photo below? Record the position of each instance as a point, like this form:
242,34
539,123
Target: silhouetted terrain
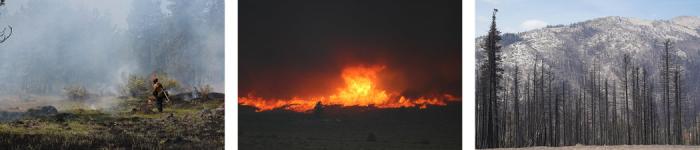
436,127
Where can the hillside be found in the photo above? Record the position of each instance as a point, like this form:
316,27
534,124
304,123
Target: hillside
572,49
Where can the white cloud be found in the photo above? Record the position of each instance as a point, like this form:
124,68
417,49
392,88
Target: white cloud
533,24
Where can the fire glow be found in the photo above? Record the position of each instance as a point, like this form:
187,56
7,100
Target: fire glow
360,89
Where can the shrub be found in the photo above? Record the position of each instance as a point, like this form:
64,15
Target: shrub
141,86
136,86
76,92
168,82
204,91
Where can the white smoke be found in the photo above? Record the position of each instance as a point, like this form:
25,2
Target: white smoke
92,44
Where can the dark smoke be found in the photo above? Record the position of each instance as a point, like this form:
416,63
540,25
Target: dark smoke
299,48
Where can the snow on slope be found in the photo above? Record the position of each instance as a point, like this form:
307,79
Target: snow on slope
572,49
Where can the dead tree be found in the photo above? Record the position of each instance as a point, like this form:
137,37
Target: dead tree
665,85
677,91
5,34
625,65
516,108
614,114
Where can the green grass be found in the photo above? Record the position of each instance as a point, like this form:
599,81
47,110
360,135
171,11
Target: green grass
81,128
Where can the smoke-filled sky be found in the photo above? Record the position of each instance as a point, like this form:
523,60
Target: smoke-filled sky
118,10
98,44
298,48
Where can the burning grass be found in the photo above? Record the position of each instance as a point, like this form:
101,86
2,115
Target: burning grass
361,89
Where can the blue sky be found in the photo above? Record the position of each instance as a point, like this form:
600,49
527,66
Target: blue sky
523,15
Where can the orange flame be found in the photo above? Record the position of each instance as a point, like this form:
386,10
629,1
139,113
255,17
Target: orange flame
360,90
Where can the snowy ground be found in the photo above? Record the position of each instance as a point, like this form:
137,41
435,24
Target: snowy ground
616,147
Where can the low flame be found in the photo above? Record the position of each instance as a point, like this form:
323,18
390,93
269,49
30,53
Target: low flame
360,90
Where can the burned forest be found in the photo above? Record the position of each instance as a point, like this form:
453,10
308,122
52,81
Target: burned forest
605,81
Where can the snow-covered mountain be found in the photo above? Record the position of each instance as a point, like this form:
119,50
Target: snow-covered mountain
571,49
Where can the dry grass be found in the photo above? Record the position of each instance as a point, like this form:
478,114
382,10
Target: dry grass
82,128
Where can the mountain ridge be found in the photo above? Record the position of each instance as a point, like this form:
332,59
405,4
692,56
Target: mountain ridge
571,50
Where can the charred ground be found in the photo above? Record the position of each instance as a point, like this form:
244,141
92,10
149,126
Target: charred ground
436,127
194,124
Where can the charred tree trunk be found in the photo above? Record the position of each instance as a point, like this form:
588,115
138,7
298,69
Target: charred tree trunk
614,114
492,75
625,66
516,109
679,125
666,88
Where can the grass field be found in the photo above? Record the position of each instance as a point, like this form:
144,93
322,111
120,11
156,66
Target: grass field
182,125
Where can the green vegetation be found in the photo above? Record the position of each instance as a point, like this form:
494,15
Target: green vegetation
140,86
205,90
168,82
76,92
136,86
182,125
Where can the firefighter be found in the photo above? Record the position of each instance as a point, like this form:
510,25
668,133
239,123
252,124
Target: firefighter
159,94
